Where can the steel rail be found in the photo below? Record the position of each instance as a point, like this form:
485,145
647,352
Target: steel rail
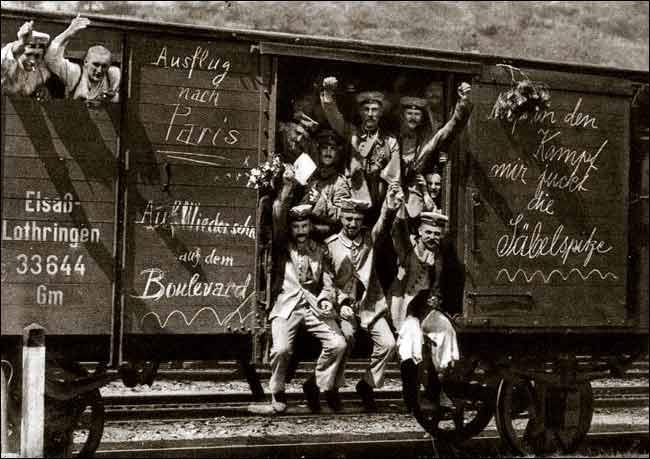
207,405
409,444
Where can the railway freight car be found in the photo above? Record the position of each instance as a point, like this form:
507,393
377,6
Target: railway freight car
130,231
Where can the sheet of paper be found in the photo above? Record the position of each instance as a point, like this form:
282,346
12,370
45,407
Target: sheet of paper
304,167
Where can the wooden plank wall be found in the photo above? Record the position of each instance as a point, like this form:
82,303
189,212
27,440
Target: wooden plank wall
543,183
195,114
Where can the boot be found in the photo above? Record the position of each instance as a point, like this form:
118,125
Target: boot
367,395
409,372
279,402
312,394
333,399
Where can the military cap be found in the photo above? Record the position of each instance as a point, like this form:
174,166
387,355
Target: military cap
371,96
300,212
38,39
433,218
413,102
353,205
328,137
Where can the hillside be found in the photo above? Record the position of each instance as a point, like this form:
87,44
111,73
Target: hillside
601,33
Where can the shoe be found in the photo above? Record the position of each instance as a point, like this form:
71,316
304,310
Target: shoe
409,373
367,395
279,402
333,399
312,395
445,401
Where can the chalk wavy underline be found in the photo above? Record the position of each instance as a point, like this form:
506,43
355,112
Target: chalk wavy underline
220,322
547,277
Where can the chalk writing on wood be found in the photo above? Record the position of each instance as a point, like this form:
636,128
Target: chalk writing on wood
560,156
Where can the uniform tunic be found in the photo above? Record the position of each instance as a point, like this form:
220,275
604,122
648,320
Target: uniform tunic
302,280
413,297
356,284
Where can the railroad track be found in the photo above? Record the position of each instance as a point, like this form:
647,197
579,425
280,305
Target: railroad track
228,370
387,445
209,404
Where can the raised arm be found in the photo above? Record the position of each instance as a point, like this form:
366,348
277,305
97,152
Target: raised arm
55,55
400,235
450,130
281,208
394,200
12,51
331,110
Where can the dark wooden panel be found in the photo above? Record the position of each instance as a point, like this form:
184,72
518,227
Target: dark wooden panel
243,82
187,213
179,113
92,191
25,147
26,262
208,196
53,233
32,208
65,129
561,80
145,237
56,108
209,258
189,173
227,100
57,320
43,168
216,136
562,235
179,55
211,156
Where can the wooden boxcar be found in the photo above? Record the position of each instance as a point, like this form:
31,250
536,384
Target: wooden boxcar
129,230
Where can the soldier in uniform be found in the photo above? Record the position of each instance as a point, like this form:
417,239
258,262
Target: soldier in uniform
327,187
420,148
359,295
97,81
24,71
425,195
374,159
304,295
416,301
294,137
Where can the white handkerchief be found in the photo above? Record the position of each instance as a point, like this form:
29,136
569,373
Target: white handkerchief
304,168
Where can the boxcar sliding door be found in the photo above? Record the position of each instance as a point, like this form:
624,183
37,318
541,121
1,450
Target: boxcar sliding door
546,204
196,124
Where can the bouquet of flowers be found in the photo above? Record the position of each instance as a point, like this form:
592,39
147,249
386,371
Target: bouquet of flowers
523,99
261,178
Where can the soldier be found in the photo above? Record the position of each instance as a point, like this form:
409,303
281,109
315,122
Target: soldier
374,160
304,296
97,81
425,195
24,71
294,137
327,187
359,295
421,149
416,301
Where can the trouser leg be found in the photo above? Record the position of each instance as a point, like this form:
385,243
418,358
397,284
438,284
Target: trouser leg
349,330
333,349
382,352
283,332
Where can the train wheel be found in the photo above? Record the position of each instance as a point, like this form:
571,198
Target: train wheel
519,418
95,427
78,421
